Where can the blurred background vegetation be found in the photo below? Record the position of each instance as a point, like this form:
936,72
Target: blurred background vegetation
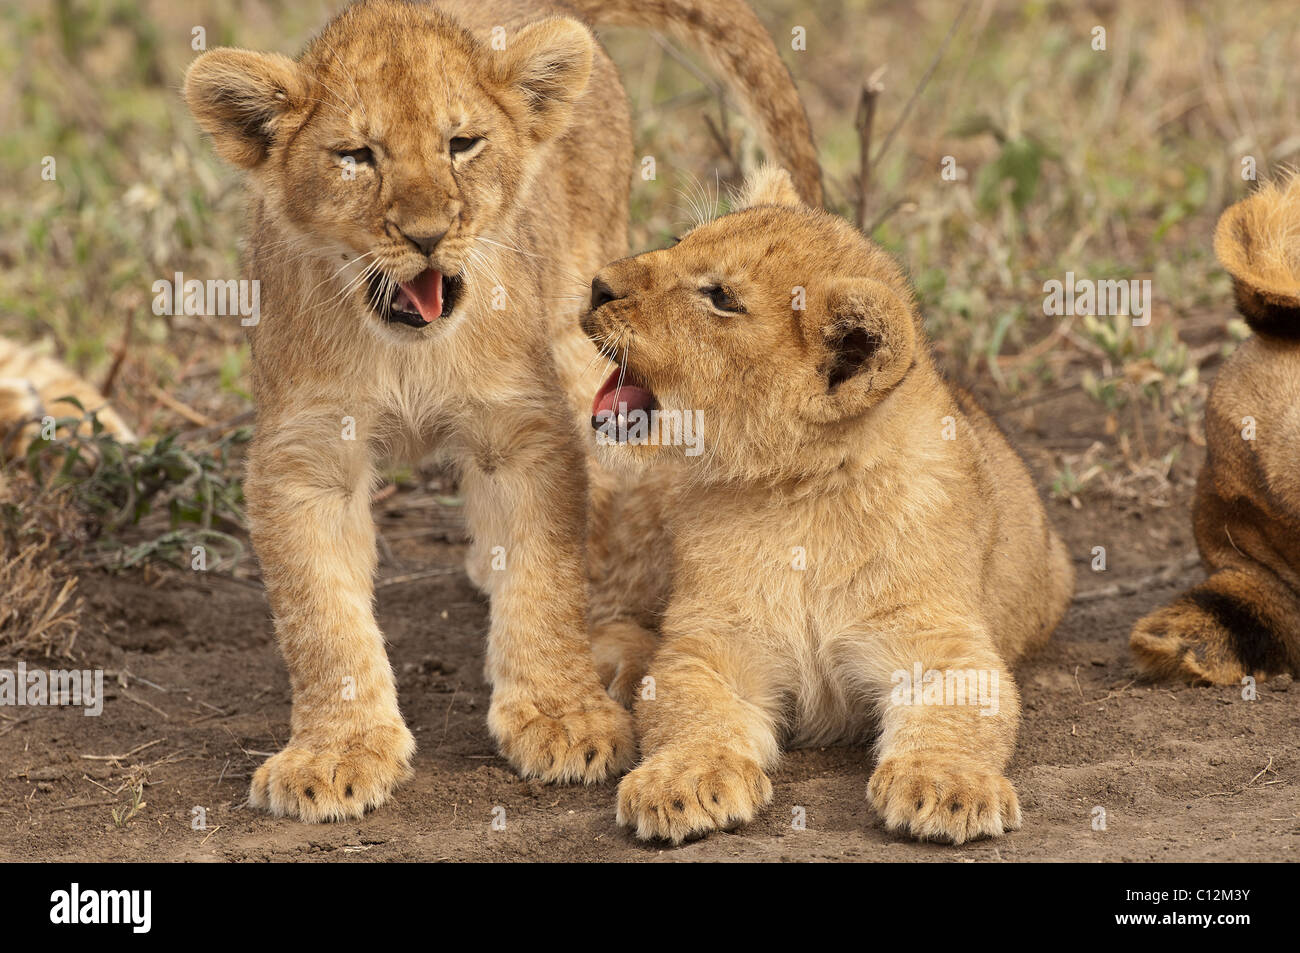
1109,163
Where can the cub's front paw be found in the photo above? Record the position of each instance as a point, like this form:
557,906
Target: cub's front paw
334,777
588,738
675,795
937,800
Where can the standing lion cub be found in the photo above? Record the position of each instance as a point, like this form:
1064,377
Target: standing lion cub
430,184
857,549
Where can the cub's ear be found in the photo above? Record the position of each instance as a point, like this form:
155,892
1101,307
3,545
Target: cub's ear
1258,242
239,97
768,185
869,342
548,63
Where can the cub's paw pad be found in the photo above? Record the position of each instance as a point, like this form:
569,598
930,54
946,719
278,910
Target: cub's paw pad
674,796
934,800
321,779
588,740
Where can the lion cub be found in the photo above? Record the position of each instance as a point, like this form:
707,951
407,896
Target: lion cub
855,549
33,386
1243,619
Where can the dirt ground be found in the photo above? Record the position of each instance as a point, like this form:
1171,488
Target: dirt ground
197,696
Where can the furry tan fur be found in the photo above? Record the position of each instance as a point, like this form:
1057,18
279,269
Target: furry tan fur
485,144
851,518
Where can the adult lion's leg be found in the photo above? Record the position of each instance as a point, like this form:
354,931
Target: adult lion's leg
309,503
525,493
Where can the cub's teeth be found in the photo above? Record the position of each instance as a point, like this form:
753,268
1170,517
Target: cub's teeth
402,302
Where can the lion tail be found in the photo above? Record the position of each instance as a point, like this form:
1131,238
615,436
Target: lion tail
730,36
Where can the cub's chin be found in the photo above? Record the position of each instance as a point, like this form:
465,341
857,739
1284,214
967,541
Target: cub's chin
626,457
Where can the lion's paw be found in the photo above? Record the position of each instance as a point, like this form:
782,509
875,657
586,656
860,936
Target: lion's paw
933,800
673,796
320,779
587,739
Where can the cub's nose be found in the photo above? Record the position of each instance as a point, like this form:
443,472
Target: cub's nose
601,293
427,243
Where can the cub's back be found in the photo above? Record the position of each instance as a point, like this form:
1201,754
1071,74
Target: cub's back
1028,573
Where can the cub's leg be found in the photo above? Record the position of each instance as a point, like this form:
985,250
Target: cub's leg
622,650
525,493
706,737
308,491
629,563
939,763
1234,624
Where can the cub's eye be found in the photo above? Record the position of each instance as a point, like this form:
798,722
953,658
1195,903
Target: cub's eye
362,156
722,299
461,144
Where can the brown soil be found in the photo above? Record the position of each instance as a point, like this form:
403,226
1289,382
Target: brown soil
1182,773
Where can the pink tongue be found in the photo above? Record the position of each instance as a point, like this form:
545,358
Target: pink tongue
610,397
425,289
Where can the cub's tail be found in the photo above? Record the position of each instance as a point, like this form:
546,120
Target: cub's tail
730,36
1258,242
1238,622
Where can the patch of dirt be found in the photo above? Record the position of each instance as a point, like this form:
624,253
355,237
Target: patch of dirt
197,694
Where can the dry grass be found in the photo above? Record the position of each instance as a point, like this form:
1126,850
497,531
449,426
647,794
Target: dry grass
39,610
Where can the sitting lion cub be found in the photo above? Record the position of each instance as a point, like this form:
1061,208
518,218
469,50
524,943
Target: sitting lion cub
855,549
1242,620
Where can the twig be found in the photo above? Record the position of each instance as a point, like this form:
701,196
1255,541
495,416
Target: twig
80,804
144,704
120,757
934,64
414,576
884,216
690,67
238,420
722,141
1045,396
177,407
110,379
1164,576
1268,767
1114,693
871,91
11,726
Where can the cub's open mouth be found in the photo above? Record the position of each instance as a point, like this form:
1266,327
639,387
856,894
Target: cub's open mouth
419,302
614,398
